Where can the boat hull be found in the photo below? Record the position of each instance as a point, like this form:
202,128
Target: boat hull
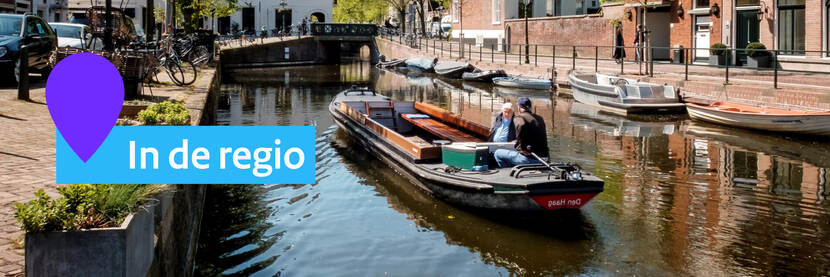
484,76
522,83
801,124
452,70
471,197
608,98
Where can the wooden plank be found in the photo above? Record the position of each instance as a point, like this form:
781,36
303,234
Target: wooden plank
442,130
416,151
444,115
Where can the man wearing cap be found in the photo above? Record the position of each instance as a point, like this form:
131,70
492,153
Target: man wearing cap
531,138
503,129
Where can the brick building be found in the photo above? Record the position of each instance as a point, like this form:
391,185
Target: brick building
800,29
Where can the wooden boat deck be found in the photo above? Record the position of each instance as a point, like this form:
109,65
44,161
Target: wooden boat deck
441,130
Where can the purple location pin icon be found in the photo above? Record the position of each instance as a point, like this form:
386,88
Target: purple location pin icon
84,94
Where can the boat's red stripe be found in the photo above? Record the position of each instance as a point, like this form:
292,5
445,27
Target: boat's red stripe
563,201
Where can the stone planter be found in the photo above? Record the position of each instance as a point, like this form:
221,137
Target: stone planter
131,111
717,60
123,251
758,62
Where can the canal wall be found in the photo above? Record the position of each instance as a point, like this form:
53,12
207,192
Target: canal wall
178,215
704,85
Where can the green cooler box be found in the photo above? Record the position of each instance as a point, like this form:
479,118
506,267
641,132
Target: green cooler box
464,155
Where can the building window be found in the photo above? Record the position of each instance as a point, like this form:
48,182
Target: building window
701,4
791,27
496,11
743,3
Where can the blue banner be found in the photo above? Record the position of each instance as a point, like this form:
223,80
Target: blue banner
194,155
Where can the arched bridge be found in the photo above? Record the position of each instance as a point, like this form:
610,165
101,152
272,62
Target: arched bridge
327,43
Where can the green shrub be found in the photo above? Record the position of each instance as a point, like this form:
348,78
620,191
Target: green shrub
718,49
83,207
756,49
167,113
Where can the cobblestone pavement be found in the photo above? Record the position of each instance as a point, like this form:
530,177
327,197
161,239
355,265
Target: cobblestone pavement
27,163
27,154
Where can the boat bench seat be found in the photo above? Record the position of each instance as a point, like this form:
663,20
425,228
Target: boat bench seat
440,129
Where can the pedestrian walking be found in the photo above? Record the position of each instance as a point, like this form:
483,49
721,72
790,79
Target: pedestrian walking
619,50
638,52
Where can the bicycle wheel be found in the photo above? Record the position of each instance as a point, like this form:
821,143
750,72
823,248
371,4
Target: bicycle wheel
175,73
199,55
187,73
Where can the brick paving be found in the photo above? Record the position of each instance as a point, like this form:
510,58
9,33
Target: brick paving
27,154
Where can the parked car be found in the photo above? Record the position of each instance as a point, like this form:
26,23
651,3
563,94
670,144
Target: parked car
17,30
441,30
76,36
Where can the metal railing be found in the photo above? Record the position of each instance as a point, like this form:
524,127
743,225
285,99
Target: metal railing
683,61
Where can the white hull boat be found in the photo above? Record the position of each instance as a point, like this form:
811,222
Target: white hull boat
767,119
623,96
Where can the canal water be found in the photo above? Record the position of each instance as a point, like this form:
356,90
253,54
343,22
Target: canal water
681,197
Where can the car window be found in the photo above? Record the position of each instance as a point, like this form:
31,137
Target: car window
31,26
68,31
10,26
42,28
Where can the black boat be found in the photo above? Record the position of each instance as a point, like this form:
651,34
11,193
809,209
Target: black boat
452,70
483,76
418,140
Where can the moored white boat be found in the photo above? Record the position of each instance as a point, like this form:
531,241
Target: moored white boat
516,82
452,69
623,96
767,119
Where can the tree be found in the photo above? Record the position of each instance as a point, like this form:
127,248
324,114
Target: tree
360,11
193,11
400,6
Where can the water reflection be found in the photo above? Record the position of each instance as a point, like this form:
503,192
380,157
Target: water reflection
681,197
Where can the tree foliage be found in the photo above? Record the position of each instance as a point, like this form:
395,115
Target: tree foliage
360,11
193,11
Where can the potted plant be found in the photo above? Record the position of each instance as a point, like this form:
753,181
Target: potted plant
718,54
757,55
90,230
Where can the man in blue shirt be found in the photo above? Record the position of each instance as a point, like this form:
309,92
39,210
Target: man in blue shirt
503,129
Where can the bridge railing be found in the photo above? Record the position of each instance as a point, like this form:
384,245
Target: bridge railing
343,29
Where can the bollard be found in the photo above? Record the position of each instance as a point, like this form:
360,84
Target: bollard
775,68
441,54
596,58
650,62
573,58
536,55
622,68
23,82
479,52
493,53
726,82
505,55
553,56
686,62
451,50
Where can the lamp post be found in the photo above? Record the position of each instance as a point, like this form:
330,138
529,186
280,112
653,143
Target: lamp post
527,4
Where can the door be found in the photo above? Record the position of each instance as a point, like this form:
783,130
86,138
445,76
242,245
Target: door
224,25
747,31
702,41
658,22
248,21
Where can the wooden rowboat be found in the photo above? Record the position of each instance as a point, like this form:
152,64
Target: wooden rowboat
767,119
411,137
